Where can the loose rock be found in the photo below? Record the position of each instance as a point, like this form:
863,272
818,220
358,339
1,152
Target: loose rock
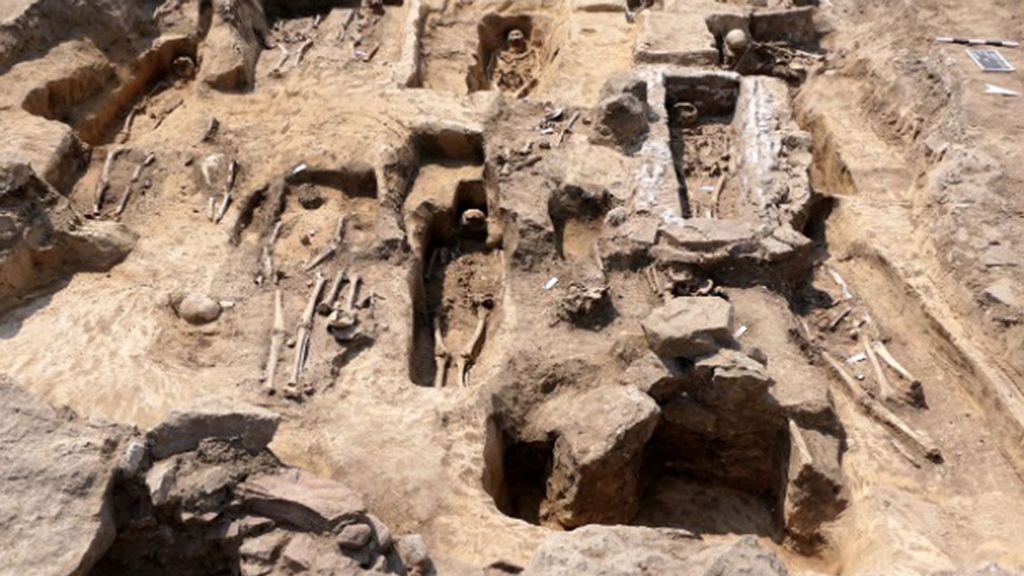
252,427
688,327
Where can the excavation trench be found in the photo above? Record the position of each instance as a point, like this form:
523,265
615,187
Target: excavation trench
490,61
716,456
96,100
940,343
702,139
457,278
319,198
706,477
708,465
791,25
578,217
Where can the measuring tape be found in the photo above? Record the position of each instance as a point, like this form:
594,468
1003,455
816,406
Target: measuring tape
977,42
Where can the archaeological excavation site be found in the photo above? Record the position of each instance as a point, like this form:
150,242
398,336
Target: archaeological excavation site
497,287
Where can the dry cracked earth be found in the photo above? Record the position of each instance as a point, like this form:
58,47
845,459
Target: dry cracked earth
541,287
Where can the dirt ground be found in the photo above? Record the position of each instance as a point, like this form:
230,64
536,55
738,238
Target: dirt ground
476,220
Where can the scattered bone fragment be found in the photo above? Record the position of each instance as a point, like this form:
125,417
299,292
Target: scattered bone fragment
226,202
166,113
267,271
902,451
888,358
913,392
104,183
585,305
123,204
367,55
441,355
922,443
664,286
847,295
344,323
285,55
277,337
211,129
568,128
353,293
207,166
472,349
126,131
839,319
652,282
303,48
717,196
303,334
885,389
328,303
343,34
232,175
332,249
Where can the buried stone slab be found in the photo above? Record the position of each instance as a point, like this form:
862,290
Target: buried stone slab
733,379
747,558
52,147
300,499
622,551
724,427
722,436
814,488
596,461
733,249
42,237
689,327
56,514
656,376
233,45
223,510
626,551
216,418
623,113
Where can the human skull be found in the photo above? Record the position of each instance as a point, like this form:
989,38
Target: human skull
737,41
517,40
474,218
